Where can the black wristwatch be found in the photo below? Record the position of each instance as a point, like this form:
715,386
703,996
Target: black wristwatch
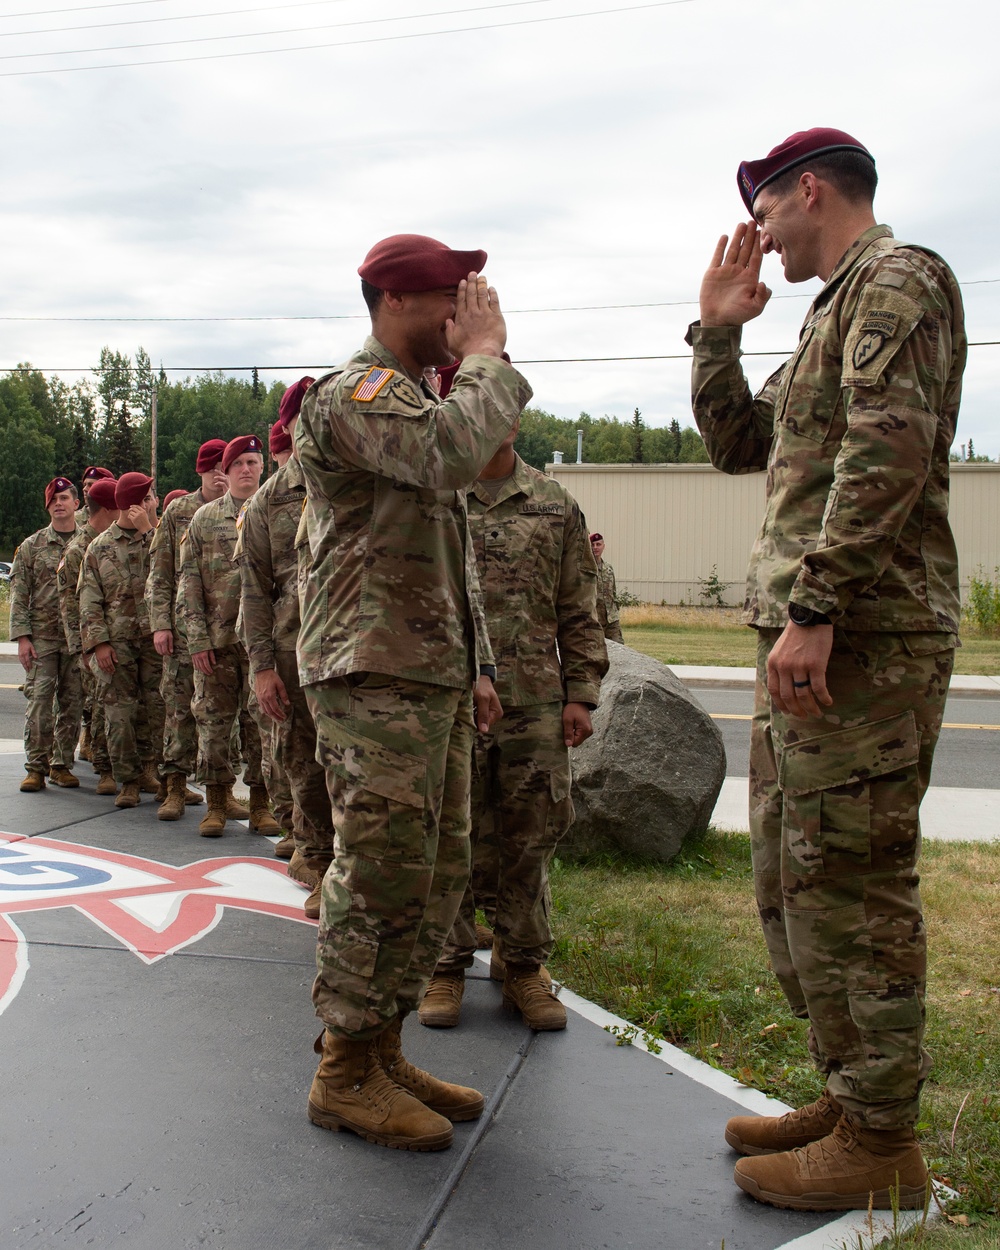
805,617
488,670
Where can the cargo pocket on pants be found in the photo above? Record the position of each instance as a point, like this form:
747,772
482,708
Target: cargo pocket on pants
826,788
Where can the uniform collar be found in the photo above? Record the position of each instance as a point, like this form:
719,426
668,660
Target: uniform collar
374,347
851,257
519,483
230,506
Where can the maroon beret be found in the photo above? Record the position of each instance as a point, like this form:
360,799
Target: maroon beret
172,495
279,439
291,401
103,493
209,455
413,262
237,446
55,487
802,146
132,488
96,472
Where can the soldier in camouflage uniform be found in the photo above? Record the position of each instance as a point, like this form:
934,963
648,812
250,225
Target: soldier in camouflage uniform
853,589
207,605
114,629
91,475
391,645
180,733
539,578
101,513
607,608
270,619
52,686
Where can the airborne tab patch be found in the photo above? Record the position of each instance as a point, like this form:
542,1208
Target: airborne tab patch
371,384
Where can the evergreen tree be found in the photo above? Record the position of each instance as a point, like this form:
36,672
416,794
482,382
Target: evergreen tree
637,429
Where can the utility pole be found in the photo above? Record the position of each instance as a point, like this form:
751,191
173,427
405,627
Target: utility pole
152,436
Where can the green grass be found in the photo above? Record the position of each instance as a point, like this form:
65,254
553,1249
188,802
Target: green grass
4,611
677,952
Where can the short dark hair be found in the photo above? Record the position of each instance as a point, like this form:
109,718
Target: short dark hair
93,507
851,173
372,296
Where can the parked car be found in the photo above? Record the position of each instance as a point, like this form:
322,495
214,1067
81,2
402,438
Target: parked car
4,571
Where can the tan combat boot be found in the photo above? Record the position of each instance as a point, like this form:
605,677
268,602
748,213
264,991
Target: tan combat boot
526,990
351,1091
313,905
261,820
770,1134
235,810
442,1001
129,796
172,807
192,797
149,780
484,937
106,784
61,776
454,1102
214,821
285,849
841,1172
300,871
33,782
85,749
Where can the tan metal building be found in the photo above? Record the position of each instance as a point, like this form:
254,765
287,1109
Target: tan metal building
667,525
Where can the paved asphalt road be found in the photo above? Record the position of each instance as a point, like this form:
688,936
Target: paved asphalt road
965,757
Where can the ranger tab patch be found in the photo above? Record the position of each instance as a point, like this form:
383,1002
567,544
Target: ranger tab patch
372,383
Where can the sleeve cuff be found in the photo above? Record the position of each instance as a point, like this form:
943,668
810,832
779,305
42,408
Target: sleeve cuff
583,692
715,342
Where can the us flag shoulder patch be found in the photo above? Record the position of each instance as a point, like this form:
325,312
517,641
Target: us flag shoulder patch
372,383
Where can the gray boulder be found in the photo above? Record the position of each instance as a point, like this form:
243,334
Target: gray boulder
652,771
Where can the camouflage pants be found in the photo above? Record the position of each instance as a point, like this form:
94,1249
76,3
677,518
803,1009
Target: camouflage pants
485,866
180,733
835,836
219,700
293,749
54,692
520,778
613,631
397,756
133,709
275,780
100,757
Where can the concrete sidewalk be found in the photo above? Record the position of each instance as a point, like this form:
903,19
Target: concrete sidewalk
695,675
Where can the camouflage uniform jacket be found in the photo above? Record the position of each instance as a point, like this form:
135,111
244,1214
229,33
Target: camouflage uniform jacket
34,597
208,594
165,560
112,585
607,609
539,578
391,585
265,552
854,431
68,583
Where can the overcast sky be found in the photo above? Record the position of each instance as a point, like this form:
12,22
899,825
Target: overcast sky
594,157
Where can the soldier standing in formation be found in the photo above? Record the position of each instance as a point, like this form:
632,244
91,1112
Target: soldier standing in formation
180,736
607,607
391,645
115,633
539,579
270,605
207,605
102,512
853,587
52,687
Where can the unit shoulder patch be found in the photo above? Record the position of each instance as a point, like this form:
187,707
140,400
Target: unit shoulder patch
370,385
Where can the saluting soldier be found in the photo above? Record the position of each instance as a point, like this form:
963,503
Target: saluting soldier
539,579
853,588
207,605
114,628
392,642
180,733
270,617
102,511
52,686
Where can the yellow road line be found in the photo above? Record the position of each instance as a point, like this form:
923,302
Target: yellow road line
744,716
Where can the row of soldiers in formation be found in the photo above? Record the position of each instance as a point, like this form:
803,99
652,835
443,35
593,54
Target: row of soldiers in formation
175,641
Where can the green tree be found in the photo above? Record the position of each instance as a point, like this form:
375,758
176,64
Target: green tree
638,427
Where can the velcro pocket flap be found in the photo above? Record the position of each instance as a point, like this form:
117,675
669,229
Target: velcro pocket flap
849,755
374,767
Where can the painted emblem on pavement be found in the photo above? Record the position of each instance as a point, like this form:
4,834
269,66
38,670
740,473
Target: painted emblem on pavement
153,909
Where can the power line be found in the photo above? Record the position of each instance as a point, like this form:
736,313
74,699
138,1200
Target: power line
550,360
350,43
148,21
80,8
264,34
508,312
